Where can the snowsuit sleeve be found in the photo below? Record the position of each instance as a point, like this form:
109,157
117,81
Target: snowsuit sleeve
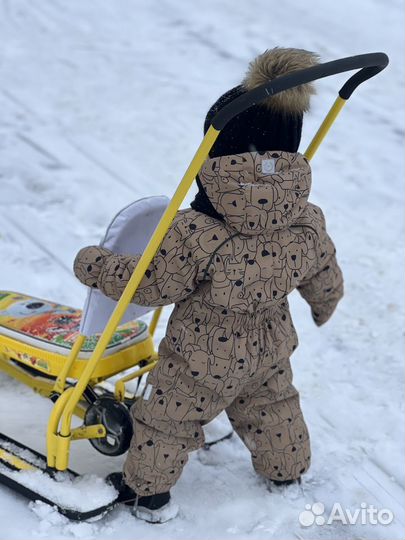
172,275
322,286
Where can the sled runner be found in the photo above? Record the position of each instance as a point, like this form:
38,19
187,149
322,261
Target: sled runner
91,362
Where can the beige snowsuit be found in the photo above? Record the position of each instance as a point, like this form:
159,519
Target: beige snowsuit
230,335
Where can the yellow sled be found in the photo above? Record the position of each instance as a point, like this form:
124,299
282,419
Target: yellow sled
43,345
39,346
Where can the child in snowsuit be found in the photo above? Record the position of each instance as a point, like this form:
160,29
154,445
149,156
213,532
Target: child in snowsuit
229,263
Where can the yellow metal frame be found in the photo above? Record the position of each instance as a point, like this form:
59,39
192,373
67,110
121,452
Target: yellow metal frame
324,127
119,389
93,370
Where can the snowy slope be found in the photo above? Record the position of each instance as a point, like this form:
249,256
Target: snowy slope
103,103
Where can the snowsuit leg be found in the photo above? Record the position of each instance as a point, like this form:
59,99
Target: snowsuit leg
168,424
269,420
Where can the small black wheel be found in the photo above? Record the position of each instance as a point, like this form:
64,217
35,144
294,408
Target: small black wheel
115,417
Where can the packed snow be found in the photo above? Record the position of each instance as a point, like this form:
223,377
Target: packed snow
83,493
103,103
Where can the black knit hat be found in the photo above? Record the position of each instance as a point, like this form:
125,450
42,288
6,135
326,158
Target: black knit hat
274,124
256,129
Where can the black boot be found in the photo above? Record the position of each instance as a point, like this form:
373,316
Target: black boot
286,482
153,508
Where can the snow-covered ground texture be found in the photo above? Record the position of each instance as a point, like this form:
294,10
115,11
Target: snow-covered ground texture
102,103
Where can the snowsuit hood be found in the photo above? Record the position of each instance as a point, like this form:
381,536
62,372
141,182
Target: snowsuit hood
258,192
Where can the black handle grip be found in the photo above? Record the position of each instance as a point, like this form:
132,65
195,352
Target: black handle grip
369,65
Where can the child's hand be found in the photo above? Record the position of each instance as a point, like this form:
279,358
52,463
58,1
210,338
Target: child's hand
88,264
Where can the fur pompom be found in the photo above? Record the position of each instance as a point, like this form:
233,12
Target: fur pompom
275,63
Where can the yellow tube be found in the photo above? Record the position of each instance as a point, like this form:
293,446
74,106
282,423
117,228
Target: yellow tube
62,452
96,431
61,380
154,321
132,285
53,423
119,390
324,128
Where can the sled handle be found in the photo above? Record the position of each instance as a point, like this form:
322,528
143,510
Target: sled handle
369,64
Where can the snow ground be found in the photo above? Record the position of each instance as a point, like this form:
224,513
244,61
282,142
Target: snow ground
103,103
